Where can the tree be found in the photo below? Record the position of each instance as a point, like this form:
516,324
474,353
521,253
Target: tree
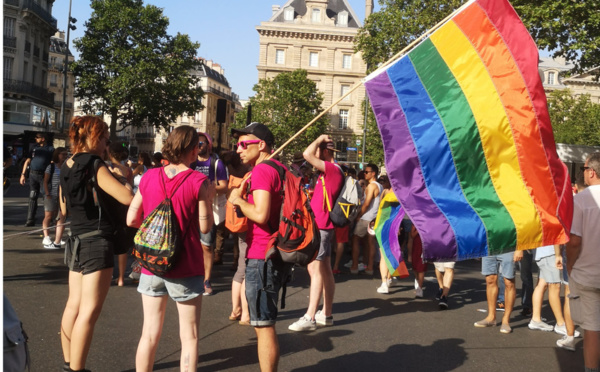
131,69
286,103
575,120
567,28
373,143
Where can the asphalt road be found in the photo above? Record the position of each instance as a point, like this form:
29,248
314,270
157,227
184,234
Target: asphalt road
372,332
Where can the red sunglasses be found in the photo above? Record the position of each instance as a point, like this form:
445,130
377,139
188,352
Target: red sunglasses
244,144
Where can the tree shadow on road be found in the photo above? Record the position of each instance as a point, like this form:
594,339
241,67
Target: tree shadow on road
442,355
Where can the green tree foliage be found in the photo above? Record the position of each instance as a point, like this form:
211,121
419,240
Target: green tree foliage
575,120
373,143
131,69
286,103
567,28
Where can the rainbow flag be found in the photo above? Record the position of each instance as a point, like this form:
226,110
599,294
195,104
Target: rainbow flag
468,142
387,226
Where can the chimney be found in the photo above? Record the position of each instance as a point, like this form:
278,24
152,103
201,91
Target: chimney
275,9
368,8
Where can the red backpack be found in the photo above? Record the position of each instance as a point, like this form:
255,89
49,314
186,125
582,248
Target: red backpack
298,239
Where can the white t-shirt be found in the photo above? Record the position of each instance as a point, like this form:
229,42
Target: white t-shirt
586,219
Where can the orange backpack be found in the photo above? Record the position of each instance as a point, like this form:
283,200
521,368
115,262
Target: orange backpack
235,221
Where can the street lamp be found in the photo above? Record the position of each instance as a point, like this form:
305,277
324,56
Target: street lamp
70,26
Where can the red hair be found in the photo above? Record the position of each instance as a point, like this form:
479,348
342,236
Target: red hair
86,128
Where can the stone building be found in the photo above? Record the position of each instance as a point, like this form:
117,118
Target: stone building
553,71
58,50
28,104
318,36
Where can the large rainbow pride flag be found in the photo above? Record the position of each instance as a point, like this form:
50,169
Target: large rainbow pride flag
387,227
468,142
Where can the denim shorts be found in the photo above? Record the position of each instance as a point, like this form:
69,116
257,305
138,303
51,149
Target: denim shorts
94,254
325,248
179,289
565,273
489,265
548,270
208,239
263,293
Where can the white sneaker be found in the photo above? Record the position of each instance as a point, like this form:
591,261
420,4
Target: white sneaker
416,284
348,264
362,267
62,242
566,343
419,293
52,246
322,320
562,330
540,326
303,324
47,241
383,288
389,282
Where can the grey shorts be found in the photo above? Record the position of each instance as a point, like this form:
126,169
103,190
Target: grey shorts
585,306
442,266
361,228
208,239
489,265
51,205
325,248
179,289
548,270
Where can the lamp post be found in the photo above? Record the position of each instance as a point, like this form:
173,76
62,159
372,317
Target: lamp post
70,26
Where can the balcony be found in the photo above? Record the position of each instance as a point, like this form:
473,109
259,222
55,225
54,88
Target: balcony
40,94
35,8
10,41
68,105
218,93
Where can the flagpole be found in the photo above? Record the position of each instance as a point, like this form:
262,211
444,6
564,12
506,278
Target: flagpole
389,61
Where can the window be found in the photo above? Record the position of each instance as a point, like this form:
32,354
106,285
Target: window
288,14
280,56
344,90
313,60
347,61
316,16
551,78
343,119
342,146
9,26
53,80
342,18
33,75
8,64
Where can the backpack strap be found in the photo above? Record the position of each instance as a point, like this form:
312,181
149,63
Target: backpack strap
176,187
213,167
281,171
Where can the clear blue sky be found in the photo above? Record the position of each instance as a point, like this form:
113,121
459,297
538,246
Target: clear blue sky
225,30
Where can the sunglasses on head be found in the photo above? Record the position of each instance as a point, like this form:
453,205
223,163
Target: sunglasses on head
244,144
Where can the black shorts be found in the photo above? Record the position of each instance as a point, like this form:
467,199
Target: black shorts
94,254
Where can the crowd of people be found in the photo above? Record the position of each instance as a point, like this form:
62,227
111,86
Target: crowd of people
107,199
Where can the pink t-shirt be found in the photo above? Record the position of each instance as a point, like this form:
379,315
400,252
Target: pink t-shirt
333,185
185,206
264,177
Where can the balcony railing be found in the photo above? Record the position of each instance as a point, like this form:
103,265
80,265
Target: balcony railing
36,8
10,41
68,105
218,93
11,2
24,87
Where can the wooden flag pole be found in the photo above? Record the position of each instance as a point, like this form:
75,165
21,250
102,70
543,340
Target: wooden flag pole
389,61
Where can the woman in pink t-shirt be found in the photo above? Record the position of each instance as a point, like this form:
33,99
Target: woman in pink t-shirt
192,200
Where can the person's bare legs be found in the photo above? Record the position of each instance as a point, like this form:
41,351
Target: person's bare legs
236,299
60,228
189,329
420,276
268,348
567,313
122,262
46,222
510,294
355,252
70,313
370,251
339,252
208,262
245,310
383,270
591,349
554,300
154,309
94,288
537,299
316,288
448,277
328,285
491,292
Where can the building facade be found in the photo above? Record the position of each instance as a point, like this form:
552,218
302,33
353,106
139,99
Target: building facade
58,51
318,36
552,72
28,104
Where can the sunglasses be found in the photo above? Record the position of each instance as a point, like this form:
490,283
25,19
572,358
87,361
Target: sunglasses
244,144
200,143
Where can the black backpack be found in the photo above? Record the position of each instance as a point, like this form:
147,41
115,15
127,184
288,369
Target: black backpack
159,240
348,204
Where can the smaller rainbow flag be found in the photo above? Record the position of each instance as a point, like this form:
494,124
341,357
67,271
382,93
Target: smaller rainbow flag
387,226
467,138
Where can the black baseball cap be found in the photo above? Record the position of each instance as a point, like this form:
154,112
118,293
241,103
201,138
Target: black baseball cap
257,129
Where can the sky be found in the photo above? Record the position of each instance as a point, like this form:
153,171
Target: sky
225,29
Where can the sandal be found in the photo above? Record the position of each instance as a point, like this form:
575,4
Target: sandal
237,317
207,289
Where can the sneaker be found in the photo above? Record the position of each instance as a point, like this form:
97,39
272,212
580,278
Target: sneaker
303,324
566,343
62,242
562,330
208,291
322,320
526,312
348,264
443,304
439,294
46,241
540,326
419,293
500,306
389,282
383,288
52,246
362,267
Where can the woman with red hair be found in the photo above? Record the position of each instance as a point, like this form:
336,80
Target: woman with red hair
86,188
